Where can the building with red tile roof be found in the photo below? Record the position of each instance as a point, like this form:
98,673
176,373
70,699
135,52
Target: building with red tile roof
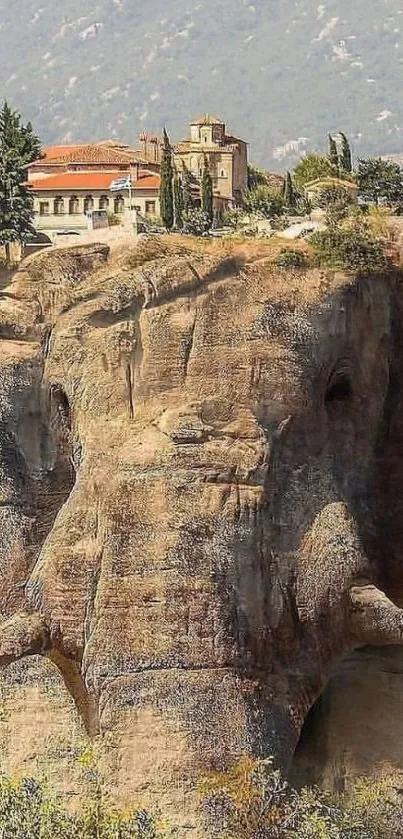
89,157
89,181
64,201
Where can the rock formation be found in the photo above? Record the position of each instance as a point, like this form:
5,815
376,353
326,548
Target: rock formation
200,512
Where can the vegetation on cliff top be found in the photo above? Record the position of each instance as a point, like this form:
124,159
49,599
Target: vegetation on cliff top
18,147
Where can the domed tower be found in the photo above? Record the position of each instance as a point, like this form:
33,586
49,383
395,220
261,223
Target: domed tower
208,130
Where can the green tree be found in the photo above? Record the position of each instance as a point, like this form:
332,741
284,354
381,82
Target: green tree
19,137
264,201
333,153
256,177
18,147
380,181
337,202
346,162
289,192
166,188
311,168
187,190
178,201
207,193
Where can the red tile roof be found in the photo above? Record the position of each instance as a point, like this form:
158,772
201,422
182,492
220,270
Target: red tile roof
89,181
88,153
56,151
148,182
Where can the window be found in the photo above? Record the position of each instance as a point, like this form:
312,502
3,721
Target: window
44,208
88,203
118,204
103,202
223,173
150,208
74,207
58,207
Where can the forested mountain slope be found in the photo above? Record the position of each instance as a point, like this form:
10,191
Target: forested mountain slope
282,73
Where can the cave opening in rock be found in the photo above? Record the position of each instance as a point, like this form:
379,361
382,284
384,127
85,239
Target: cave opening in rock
310,755
354,729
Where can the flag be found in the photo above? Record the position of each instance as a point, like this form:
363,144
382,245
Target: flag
121,183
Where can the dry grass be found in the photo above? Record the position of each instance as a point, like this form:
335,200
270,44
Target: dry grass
246,249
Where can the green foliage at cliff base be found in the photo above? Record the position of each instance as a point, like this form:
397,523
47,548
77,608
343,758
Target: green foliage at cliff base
253,801
29,810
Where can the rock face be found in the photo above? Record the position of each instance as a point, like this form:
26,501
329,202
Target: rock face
200,513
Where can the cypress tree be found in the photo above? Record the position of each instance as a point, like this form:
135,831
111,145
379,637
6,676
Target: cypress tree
333,153
18,146
178,201
207,193
166,188
19,137
289,192
186,190
345,157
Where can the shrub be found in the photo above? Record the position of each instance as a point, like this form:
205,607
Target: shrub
154,221
333,194
234,218
195,222
351,249
337,201
289,258
28,811
252,801
264,201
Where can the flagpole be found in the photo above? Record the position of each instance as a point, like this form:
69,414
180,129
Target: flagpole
130,201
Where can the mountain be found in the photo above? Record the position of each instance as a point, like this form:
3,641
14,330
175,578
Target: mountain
283,74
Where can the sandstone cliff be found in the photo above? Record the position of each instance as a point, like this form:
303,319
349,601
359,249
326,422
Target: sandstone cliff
200,499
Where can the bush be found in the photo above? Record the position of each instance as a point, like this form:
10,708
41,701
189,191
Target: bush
264,201
253,801
195,222
154,222
28,811
351,249
333,195
234,218
289,258
337,202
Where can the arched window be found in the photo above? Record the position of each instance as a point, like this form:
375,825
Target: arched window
103,202
88,203
74,207
119,204
58,206
223,173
